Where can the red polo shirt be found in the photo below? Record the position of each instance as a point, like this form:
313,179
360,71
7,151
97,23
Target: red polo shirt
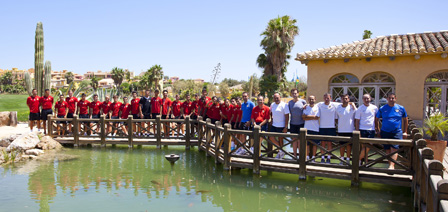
213,111
33,103
227,111
176,108
61,108
95,106
115,108
71,103
260,114
194,106
135,105
106,107
46,102
237,112
202,105
125,109
155,104
83,107
166,103
188,107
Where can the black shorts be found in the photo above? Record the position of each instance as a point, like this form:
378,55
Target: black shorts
154,115
69,115
243,126
135,116
61,122
84,116
179,117
277,129
146,116
95,116
165,117
114,117
224,121
214,121
295,128
44,114
194,116
34,117
233,125
107,116
345,135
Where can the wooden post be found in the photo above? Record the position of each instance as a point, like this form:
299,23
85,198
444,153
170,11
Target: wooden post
207,136
50,125
427,154
187,133
75,130
442,194
302,155
217,140
103,130
13,119
435,168
159,132
355,158
130,131
200,132
257,150
227,146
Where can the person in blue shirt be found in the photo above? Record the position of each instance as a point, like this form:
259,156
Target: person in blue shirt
394,124
246,108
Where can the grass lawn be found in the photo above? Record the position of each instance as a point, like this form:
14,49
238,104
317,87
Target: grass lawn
15,103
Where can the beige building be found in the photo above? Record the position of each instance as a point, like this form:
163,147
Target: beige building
16,73
414,66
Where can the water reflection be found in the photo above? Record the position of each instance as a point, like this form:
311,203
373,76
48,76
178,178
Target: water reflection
195,182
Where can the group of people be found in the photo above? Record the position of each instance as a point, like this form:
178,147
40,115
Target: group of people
323,118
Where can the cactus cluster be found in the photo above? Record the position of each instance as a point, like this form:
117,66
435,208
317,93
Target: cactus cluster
28,83
42,80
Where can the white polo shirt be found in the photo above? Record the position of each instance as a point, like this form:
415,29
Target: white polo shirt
312,125
366,116
327,114
278,114
346,118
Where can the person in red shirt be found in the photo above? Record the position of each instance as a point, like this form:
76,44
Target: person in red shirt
194,107
135,110
61,109
176,111
187,107
83,111
72,103
260,114
237,113
105,107
226,112
33,103
203,103
114,113
94,111
124,113
46,103
156,103
165,111
213,110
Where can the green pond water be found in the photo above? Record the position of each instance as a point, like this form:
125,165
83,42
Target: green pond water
121,179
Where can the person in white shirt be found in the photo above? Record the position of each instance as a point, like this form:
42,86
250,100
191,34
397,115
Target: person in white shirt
365,122
327,110
280,120
311,116
345,118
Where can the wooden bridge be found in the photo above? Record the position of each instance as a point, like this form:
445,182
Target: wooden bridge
415,166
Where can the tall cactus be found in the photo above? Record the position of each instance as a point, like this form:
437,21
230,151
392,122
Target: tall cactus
47,76
28,83
39,59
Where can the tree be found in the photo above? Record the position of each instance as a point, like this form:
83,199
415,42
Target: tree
94,83
255,85
224,89
156,74
125,88
85,83
277,42
232,82
69,76
146,80
367,34
269,85
7,78
127,75
118,76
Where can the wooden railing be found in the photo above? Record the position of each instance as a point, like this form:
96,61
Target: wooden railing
415,166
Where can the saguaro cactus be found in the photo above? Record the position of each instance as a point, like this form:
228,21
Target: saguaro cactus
28,83
47,76
39,59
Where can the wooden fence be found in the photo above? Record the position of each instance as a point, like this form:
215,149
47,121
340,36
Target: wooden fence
415,166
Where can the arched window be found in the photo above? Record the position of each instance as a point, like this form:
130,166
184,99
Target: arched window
378,85
436,91
344,84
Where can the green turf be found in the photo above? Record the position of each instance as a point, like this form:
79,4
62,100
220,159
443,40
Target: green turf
15,103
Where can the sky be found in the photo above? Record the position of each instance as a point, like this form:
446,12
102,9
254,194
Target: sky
189,38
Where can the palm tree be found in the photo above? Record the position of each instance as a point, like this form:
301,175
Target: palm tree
94,83
156,75
127,76
146,80
277,42
69,76
118,76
